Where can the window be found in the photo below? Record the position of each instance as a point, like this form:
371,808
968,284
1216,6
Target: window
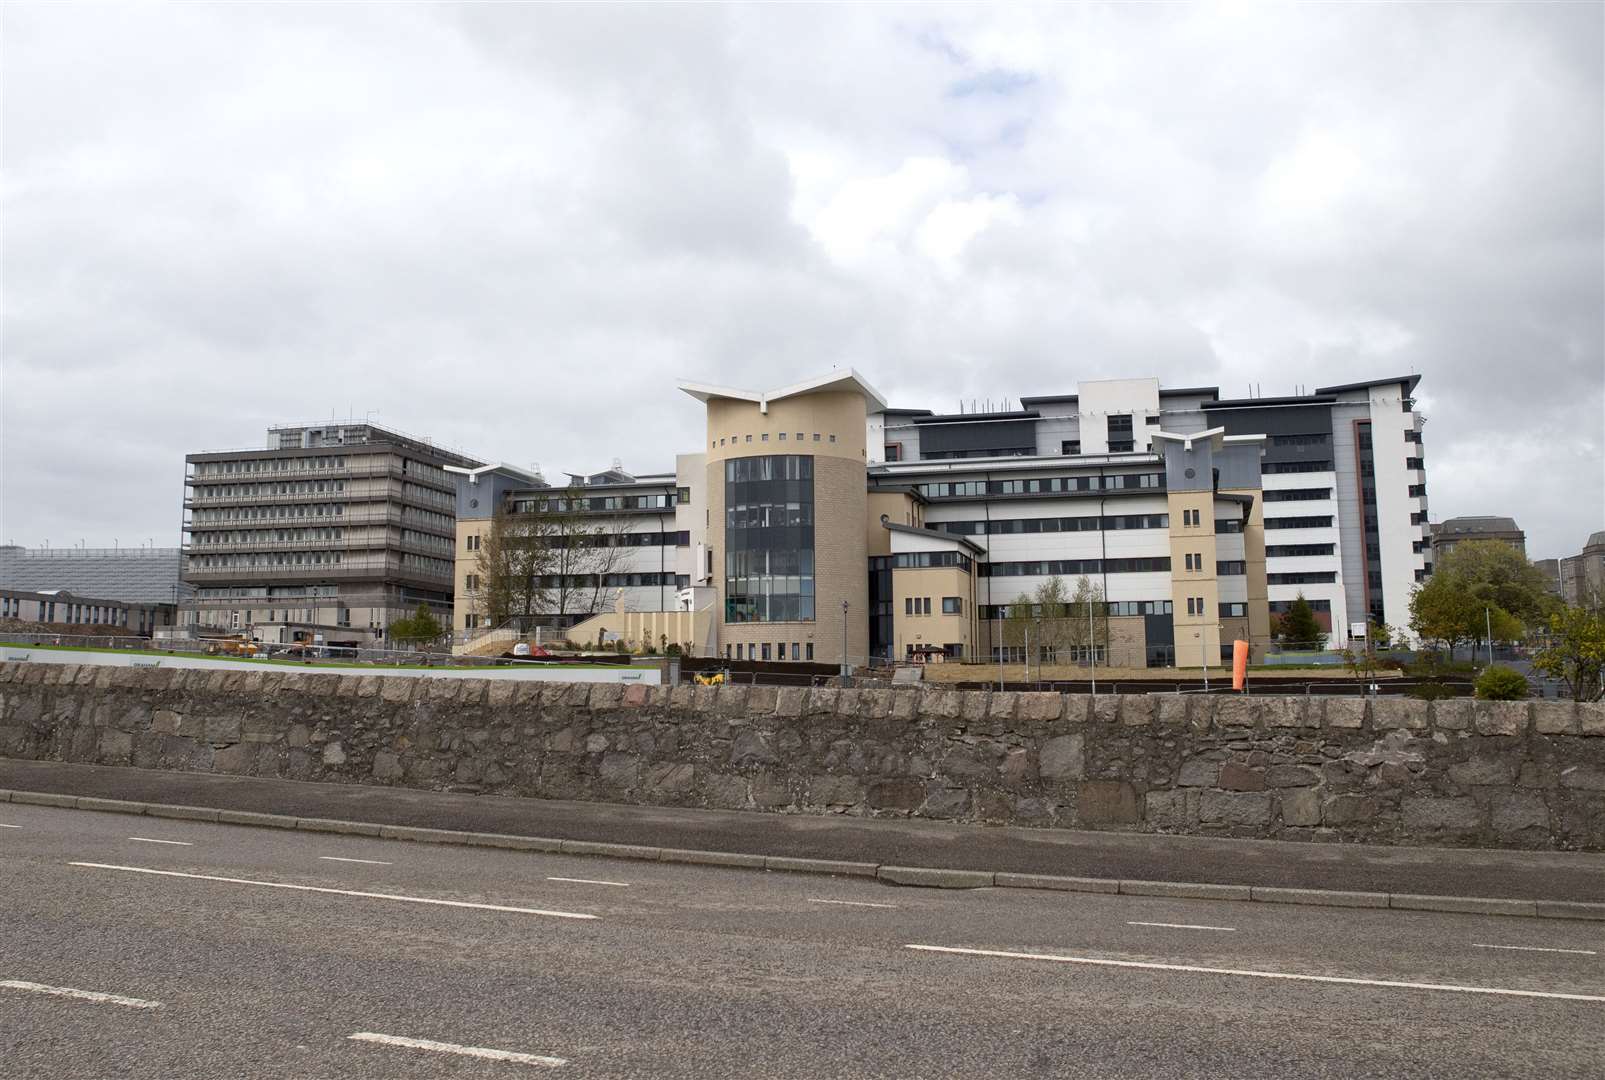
926,601
727,652
766,644
894,451
782,436
769,535
749,438
1299,523
473,542
833,438
740,650
683,496
952,605
1234,610
1188,558
816,439
1190,610
1308,578
796,650
1231,567
780,650
1414,463
954,650
908,605
471,582
811,644
1070,447
1418,490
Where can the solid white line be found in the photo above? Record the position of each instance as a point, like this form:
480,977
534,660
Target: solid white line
1148,966
370,862
1182,926
850,903
1535,948
80,995
590,881
175,843
453,1048
335,892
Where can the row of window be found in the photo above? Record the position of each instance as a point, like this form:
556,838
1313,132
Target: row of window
80,614
1195,605
764,437
594,581
1288,551
759,650
1192,519
1011,526
1301,440
1043,485
1113,608
1296,466
248,592
285,558
1298,494
921,605
1050,654
262,465
1313,577
585,504
1311,522
267,536
257,491
1052,567
998,451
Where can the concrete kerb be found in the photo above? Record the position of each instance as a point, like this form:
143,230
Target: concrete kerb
915,876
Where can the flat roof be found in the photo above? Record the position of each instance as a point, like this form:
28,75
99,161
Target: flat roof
933,534
1409,381
979,417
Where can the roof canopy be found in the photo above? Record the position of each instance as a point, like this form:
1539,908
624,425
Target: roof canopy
840,379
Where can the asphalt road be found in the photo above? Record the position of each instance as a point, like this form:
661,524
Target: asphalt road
685,971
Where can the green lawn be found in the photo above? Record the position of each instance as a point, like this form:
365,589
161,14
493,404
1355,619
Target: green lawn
159,653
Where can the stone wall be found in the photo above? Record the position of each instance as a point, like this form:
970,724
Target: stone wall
1390,770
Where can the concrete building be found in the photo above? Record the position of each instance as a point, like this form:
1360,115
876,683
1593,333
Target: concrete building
332,529
1447,534
1579,576
1344,503
139,575
819,522
640,549
70,614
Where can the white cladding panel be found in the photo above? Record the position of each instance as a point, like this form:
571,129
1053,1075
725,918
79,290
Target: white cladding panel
1099,398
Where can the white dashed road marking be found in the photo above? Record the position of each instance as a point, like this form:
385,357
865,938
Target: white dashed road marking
590,881
850,903
79,995
3,825
175,843
1249,973
1535,948
370,862
453,1048
1182,926
335,892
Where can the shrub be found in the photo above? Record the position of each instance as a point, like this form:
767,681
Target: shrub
1430,692
1500,683
673,649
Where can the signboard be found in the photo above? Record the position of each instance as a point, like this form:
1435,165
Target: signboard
1357,630
611,635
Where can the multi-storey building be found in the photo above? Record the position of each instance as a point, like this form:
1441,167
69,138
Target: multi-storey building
1344,488
820,523
1579,578
333,530
639,539
1447,534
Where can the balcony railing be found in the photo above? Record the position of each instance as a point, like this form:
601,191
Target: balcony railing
353,472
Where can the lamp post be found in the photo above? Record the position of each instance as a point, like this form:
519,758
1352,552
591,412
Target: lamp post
1488,622
847,670
1092,646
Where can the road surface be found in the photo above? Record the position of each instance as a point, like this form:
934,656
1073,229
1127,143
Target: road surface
153,948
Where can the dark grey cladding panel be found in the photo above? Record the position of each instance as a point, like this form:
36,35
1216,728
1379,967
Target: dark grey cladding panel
1280,420
1159,629
1239,466
990,435
477,501
1180,462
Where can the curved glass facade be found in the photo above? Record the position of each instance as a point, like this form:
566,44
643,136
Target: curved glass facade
769,538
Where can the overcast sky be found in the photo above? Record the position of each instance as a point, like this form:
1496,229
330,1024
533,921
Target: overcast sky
514,227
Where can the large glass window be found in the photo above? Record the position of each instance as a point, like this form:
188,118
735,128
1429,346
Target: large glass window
769,539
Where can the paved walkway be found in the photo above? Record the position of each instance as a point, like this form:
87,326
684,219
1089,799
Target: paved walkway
1435,871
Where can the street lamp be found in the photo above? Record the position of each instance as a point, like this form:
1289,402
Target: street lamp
847,670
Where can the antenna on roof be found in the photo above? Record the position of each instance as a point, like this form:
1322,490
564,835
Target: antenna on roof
618,464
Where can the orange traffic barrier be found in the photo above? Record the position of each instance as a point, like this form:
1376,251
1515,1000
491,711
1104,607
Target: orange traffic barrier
1239,664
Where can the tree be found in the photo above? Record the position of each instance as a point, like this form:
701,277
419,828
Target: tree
1054,620
1298,628
1086,622
1496,575
421,629
1576,653
1500,683
1364,662
511,559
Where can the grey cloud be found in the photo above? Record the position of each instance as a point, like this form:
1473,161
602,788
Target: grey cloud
513,226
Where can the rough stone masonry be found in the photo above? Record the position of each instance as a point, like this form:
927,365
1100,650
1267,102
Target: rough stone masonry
1388,770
